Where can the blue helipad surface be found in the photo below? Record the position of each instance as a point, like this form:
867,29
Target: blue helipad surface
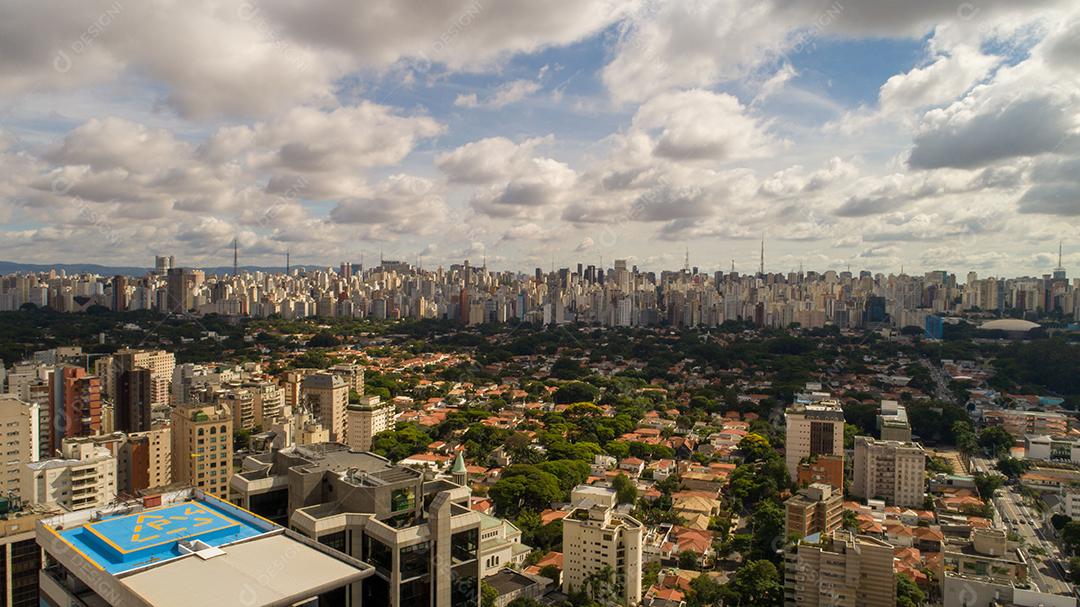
122,543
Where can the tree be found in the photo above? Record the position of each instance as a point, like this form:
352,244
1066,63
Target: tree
704,590
988,483
767,523
755,448
400,443
551,572
1070,537
575,392
908,594
1058,521
625,489
995,440
756,583
524,486
1012,467
488,594
1074,570
688,559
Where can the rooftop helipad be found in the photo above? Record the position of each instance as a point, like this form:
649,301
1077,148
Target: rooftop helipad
125,542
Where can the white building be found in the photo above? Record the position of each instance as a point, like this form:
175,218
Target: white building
84,478
598,537
892,470
365,419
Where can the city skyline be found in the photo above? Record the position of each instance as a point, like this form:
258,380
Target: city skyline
845,134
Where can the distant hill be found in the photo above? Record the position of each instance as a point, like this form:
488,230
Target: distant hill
11,267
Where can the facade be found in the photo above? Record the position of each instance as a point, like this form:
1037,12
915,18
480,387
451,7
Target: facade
19,438
20,559
828,469
159,363
1021,423
500,545
891,470
327,397
597,538
84,477
983,569
893,422
814,509
365,419
145,461
815,428
202,447
420,535
132,400
840,569
74,404
239,559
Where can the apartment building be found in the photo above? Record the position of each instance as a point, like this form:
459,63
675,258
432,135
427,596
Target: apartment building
815,428
160,364
828,469
202,447
327,397
839,569
365,419
892,421
814,509
19,438
1021,423
596,537
84,477
145,460
891,470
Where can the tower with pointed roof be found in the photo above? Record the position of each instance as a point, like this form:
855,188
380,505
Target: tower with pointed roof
459,473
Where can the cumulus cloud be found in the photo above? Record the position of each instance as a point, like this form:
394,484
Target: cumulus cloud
702,125
505,94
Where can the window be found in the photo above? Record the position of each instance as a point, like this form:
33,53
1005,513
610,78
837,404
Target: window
377,553
414,560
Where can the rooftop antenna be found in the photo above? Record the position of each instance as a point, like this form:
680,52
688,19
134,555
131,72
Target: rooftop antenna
686,262
733,266
1059,254
286,262
761,269
235,255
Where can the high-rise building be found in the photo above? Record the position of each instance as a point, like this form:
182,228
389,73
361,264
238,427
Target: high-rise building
160,363
74,404
840,569
20,557
119,293
185,548
327,397
18,441
180,289
367,418
420,535
891,470
83,477
815,428
144,461
814,509
202,447
596,538
131,403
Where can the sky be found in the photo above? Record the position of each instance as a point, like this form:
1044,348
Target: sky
871,134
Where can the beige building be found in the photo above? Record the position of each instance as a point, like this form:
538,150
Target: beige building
366,419
840,569
352,374
327,397
890,470
241,402
160,364
814,509
1021,423
813,429
19,436
596,537
85,477
145,460
202,446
